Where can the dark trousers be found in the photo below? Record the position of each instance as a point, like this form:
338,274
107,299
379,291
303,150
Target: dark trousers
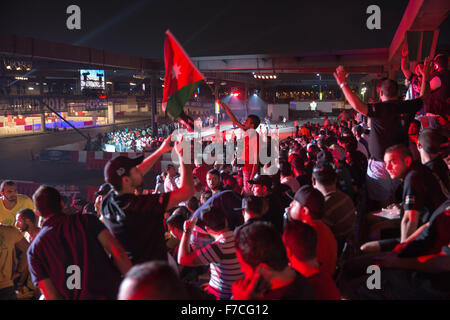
8,293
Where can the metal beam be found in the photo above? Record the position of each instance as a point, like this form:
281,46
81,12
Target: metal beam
42,49
420,15
360,61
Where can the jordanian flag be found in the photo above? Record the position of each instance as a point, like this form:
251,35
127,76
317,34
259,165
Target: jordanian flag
182,78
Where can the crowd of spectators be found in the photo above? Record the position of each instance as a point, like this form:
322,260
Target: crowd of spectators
371,189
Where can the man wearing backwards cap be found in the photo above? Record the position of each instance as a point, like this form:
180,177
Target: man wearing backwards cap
137,220
272,208
308,206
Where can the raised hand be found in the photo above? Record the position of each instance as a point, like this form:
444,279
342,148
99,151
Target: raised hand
405,50
167,145
340,75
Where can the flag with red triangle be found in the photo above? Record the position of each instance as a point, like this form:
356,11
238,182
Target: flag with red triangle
181,80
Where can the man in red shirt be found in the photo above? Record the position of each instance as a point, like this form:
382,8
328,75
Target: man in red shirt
300,241
308,207
251,158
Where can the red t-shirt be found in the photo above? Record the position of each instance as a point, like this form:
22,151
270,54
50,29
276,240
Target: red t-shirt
326,246
324,286
251,156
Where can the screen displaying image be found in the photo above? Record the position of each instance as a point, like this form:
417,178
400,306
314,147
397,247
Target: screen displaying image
93,79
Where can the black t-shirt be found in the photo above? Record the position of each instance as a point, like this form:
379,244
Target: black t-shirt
432,238
390,122
137,222
440,168
299,289
65,243
422,192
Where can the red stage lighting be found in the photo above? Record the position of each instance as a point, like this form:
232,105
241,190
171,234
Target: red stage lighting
236,94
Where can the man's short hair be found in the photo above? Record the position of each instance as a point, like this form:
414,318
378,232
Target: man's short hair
178,217
28,214
8,183
301,239
285,169
430,140
213,218
214,172
401,149
154,280
325,174
389,88
260,242
47,201
255,120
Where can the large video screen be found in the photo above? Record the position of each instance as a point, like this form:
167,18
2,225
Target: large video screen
92,79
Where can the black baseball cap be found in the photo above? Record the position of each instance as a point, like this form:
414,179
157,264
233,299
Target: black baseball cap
311,198
116,168
104,189
252,203
261,179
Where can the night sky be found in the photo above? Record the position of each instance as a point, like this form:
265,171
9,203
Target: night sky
209,28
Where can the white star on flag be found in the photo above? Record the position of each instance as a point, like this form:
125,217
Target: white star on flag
176,71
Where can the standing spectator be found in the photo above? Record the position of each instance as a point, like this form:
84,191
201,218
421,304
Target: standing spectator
89,242
308,207
11,203
251,159
220,255
264,262
437,108
11,239
170,183
415,79
26,222
102,191
300,240
213,181
137,220
390,121
339,210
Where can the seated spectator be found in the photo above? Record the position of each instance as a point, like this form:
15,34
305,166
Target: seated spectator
220,255
428,145
339,211
252,211
287,178
263,260
308,207
272,207
156,280
417,269
300,240
422,194
89,242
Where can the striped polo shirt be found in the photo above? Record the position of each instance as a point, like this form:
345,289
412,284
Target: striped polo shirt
224,265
